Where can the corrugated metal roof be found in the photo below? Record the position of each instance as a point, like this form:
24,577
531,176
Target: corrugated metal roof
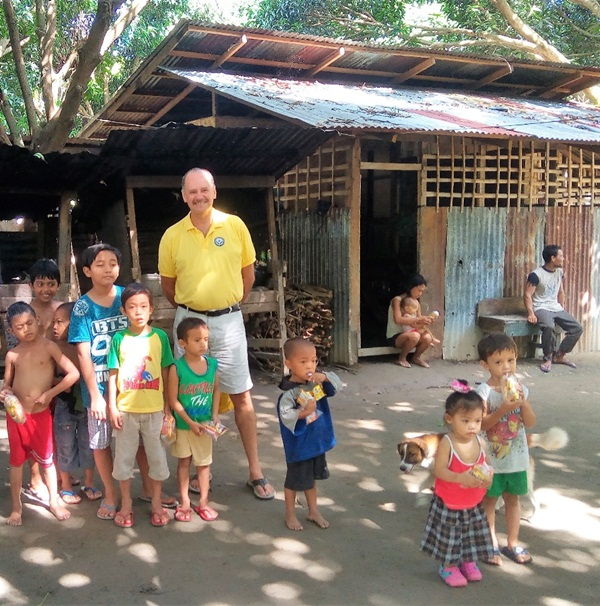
347,107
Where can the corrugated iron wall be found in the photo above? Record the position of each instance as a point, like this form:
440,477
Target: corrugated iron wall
524,244
316,249
592,338
475,247
573,231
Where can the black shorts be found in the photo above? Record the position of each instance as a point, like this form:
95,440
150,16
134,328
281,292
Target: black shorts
301,475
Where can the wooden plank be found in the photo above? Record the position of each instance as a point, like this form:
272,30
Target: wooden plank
365,352
237,122
136,270
501,306
390,166
413,71
234,48
170,104
331,58
495,75
222,181
354,187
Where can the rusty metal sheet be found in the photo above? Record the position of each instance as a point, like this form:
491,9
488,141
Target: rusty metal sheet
524,244
432,261
573,231
592,303
317,251
474,271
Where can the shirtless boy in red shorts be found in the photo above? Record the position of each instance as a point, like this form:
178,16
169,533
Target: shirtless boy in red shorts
29,375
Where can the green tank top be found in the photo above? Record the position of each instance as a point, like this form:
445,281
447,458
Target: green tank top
195,391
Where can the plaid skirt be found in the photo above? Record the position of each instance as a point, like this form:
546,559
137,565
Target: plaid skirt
453,536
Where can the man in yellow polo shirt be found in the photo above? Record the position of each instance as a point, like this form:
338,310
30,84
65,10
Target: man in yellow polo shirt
206,266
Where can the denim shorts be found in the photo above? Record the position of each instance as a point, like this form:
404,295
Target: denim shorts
72,438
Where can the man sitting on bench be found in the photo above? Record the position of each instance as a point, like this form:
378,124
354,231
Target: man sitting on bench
544,299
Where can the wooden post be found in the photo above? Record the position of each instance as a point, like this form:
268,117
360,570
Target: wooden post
64,235
136,270
353,188
276,267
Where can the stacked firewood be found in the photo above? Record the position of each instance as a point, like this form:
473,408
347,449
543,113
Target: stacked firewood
308,314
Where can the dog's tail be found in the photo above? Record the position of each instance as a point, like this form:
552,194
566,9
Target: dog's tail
553,439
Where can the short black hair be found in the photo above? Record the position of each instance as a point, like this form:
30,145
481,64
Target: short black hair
88,256
292,345
135,288
415,280
188,324
494,342
550,251
18,308
68,307
44,268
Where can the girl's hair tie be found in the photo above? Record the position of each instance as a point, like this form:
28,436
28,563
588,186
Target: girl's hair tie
460,385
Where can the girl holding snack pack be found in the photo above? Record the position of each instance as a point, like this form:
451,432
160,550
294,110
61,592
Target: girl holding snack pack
193,393
457,532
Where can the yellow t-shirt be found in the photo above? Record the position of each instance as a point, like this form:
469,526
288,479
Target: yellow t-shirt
139,360
207,269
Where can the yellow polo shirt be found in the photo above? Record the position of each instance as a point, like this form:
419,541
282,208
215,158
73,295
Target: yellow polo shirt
207,269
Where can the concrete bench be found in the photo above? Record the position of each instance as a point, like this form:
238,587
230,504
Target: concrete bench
508,315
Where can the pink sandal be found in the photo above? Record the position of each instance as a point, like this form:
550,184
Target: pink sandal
452,576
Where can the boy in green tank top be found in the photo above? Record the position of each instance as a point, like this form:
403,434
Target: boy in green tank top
193,394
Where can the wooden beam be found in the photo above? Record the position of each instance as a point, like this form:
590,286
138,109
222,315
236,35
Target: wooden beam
136,270
417,69
390,166
364,352
354,197
331,58
570,79
222,181
234,48
170,104
493,76
238,122
64,235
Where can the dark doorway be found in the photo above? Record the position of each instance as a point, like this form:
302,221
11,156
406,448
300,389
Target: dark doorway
388,245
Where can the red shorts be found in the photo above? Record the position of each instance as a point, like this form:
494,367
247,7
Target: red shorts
31,440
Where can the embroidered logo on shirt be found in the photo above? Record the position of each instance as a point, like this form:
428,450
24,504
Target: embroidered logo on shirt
219,241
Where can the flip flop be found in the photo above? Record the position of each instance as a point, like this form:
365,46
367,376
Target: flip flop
183,515
159,519
110,511
206,513
92,494
123,521
193,488
166,501
565,362
254,484
515,553
546,366
69,497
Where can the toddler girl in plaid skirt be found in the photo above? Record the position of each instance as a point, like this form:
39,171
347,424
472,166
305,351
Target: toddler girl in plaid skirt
457,533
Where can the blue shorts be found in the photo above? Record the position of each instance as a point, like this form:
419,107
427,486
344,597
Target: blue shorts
72,438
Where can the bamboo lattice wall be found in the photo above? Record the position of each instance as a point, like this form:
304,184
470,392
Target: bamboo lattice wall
462,173
322,176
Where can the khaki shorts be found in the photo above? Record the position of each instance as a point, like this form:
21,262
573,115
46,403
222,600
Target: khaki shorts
227,343
187,444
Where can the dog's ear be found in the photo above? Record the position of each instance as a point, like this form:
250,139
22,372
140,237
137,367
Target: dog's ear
402,448
421,444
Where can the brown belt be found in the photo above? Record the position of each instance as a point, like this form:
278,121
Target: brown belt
213,312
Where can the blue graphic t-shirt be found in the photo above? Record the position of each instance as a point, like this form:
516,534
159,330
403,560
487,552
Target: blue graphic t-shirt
94,324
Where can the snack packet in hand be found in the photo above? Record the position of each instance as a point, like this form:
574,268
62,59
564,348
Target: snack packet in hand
167,431
511,388
14,408
482,471
214,429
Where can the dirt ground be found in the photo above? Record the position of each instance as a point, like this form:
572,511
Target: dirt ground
370,554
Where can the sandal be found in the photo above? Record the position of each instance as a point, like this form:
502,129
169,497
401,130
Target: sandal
546,366
254,484
92,493
106,511
208,514
183,515
123,521
69,497
159,519
517,554
165,500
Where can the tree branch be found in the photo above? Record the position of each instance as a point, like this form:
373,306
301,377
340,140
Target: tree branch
4,138
592,5
15,42
56,131
47,27
13,127
6,48
119,26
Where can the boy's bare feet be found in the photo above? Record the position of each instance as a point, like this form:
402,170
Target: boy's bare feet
293,523
59,512
420,362
403,363
318,519
14,519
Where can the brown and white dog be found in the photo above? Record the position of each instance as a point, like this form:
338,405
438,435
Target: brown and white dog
419,450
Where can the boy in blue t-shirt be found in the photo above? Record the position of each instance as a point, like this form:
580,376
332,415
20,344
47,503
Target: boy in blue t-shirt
95,319
306,428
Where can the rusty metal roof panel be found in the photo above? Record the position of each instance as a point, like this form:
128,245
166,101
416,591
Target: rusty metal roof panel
348,107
